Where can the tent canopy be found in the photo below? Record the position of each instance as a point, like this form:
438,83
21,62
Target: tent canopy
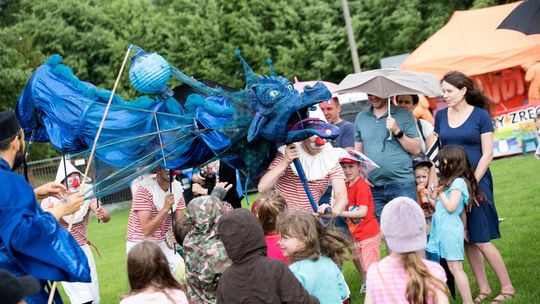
471,43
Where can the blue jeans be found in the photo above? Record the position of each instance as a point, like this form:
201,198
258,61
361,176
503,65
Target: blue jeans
383,194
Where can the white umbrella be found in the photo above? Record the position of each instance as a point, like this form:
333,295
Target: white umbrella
386,83
390,82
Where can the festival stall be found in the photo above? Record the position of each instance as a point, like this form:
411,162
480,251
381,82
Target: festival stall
504,63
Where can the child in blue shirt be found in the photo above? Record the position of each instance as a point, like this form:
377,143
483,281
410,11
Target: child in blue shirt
457,189
314,253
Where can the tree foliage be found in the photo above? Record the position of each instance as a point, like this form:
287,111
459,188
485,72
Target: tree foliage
304,38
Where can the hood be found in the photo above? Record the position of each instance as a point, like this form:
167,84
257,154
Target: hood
203,214
242,235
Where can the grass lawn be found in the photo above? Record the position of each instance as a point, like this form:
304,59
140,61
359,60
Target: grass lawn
516,180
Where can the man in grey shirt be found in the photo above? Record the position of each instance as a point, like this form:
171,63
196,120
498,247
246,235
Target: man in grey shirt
395,177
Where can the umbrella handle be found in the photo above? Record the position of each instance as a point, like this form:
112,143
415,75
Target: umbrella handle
389,133
171,176
303,179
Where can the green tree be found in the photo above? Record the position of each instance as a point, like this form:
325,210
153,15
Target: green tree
304,38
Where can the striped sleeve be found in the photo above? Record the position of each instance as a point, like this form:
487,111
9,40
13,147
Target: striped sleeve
279,157
336,172
142,200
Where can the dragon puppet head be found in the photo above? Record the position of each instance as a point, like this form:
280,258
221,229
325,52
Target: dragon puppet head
281,112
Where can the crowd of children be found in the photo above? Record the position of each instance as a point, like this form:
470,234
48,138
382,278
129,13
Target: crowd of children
277,255
241,257
282,252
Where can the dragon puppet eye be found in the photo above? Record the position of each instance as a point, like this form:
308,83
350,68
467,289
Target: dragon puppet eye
273,94
290,87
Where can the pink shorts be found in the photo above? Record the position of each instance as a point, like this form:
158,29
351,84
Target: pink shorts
367,251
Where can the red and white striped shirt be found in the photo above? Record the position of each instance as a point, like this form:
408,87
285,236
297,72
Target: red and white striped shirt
78,230
143,201
290,186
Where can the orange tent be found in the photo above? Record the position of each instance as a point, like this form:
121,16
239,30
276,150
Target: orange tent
470,43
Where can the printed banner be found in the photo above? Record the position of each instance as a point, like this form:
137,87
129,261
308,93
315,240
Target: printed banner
515,131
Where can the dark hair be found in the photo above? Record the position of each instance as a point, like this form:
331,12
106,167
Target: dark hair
319,240
453,163
181,229
4,144
271,204
148,266
473,96
415,98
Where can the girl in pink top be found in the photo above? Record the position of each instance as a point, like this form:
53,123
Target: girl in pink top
150,277
267,209
402,276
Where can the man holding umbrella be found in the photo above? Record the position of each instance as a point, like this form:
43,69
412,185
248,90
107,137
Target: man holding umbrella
155,197
388,134
394,155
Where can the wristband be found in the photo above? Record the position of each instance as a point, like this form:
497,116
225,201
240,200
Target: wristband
399,134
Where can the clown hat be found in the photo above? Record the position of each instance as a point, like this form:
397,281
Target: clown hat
61,174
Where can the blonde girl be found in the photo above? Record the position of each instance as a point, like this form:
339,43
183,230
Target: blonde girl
314,253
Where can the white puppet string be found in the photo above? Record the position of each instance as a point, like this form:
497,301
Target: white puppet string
53,288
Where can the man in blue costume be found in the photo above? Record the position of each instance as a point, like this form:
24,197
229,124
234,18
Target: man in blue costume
31,240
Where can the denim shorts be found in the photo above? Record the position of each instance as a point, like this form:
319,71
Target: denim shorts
383,194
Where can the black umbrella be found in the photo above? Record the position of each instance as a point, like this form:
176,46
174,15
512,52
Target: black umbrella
524,18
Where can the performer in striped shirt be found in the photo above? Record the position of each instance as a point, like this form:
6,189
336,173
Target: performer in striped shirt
78,292
150,215
321,165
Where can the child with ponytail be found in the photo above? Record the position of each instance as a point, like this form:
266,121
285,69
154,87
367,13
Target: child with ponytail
402,276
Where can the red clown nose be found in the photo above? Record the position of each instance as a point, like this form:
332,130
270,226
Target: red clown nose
75,184
319,141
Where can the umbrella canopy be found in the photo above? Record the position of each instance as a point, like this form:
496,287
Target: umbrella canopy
470,43
366,164
524,18
390,82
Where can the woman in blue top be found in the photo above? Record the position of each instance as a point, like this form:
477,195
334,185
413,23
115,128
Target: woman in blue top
467,123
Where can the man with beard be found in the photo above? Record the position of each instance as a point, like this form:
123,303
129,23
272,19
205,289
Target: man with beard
31,240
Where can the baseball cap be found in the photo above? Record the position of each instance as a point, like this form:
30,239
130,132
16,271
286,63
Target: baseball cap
348,157
421,162
403,225
13,289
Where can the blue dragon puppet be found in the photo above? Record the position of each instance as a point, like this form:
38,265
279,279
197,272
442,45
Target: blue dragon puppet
243,126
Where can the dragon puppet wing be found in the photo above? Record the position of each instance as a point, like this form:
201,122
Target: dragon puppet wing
137,135
141,134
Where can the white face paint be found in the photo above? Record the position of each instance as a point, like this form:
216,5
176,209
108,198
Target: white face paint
314,146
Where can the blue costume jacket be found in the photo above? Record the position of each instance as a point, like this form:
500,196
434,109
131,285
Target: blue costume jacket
31,240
